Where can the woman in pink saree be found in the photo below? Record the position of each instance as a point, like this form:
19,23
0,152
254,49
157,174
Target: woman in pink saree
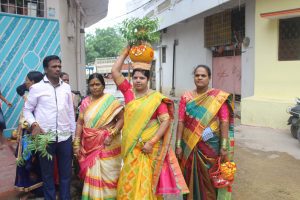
97,142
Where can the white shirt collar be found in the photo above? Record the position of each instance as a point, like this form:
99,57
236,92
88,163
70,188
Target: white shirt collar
46,80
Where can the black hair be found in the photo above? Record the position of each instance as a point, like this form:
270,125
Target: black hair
62,74
205,67
143,71
97,76
21,89
47,59
35,76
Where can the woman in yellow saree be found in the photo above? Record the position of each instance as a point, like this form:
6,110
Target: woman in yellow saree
150,169
97,143
204,133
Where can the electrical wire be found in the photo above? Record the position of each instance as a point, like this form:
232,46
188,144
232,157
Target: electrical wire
130,11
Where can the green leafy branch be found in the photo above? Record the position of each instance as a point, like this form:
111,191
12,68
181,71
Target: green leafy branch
139,30
36,144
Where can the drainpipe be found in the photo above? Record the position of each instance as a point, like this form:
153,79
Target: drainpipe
77,46
172,92
80,8
160,69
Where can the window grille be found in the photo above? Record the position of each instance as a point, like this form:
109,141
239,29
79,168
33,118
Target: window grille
164,54
217,29
32,8
225,28
289,39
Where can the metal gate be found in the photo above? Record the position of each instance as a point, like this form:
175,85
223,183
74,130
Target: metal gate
24,42
226,74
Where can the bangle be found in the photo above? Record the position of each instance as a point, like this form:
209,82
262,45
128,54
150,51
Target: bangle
76,146
113,131
178,143
224,143
76,142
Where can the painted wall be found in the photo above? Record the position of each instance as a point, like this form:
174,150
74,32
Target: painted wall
190,52
276,82
158,67
73,53
24,42
186,8
247,81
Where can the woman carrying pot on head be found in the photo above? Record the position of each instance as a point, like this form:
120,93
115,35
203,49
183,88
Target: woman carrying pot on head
204,133
97,142
28,172
150,168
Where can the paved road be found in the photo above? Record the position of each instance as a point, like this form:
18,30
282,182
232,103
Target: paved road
268,163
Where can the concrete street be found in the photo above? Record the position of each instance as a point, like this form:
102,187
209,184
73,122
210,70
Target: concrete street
268,163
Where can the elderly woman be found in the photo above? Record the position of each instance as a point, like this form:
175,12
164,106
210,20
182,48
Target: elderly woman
204,133
97,142
150,167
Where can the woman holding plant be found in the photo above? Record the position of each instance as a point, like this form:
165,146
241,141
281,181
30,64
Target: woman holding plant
28,173
150,169
97,143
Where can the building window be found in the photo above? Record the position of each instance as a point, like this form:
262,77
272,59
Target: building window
225,28
32,8
163,54
289,39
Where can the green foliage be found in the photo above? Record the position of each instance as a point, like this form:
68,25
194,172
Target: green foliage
104,43
36,144
138,30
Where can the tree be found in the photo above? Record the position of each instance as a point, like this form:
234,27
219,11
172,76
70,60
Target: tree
104,43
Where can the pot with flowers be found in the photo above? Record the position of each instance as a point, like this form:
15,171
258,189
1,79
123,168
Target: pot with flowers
140,33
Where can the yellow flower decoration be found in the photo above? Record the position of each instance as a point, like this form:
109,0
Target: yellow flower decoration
228,170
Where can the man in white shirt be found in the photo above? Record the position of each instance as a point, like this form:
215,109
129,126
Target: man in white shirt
49,107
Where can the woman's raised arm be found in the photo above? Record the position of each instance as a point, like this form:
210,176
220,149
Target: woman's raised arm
117,67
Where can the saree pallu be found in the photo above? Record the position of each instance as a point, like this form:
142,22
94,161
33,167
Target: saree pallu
147,176
200,155
99,164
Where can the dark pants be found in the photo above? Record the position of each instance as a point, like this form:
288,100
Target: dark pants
2,121
63,152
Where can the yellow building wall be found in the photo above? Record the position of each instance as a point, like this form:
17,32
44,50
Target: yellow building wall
276,83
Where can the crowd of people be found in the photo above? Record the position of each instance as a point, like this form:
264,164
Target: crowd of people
124,151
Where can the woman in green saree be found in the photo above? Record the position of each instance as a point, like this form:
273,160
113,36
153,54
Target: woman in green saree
204,133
